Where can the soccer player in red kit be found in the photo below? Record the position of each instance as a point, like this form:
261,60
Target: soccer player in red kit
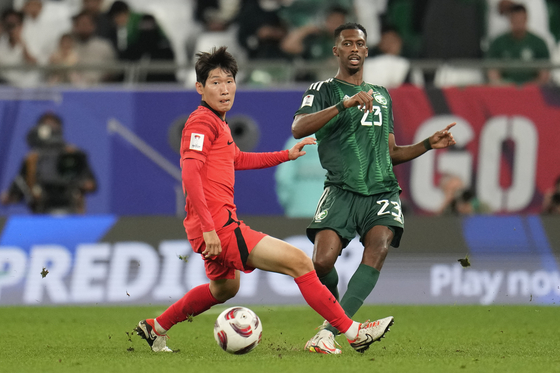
209,158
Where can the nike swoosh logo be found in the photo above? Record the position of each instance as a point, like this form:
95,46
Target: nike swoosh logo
230,142
368,341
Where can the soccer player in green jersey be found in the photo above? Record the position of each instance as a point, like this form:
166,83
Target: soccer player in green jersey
353,123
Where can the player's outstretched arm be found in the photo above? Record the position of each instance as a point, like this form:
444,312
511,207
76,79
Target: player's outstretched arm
297,150
442,139
439,140
253,161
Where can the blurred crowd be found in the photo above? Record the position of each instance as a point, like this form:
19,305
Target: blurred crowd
89,32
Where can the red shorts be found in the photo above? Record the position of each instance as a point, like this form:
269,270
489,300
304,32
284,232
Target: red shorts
237,240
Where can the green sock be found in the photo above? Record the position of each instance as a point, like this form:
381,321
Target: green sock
330,280
359,287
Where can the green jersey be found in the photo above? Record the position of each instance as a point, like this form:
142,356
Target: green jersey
530,48
354,145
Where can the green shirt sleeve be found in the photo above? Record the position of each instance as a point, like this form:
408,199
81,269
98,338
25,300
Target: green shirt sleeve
315,99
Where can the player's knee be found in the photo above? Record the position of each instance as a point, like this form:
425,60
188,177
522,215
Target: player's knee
322,265
225,291
301,264
374,256
379,249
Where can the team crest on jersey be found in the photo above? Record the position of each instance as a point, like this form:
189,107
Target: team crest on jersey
321,215
308,100
197,141
380,98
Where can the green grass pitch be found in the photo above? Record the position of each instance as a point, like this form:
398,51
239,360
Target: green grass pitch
423,339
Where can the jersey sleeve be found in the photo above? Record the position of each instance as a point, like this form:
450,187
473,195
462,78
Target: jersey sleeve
197,139
192,183
316,98
252,161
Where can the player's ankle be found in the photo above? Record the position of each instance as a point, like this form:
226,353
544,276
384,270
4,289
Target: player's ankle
352,331
158,328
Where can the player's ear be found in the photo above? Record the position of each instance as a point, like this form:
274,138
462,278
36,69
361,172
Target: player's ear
199,88
335,50
367,51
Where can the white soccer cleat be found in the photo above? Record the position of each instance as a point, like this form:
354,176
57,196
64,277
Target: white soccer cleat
323,343
370,332
157,342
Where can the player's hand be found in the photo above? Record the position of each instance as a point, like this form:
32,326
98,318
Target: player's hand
363,100
213,244
442,139
297,150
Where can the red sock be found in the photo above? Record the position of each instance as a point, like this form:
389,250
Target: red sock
322,301
196,301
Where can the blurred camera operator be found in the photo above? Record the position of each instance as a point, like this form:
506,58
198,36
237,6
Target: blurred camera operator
54,176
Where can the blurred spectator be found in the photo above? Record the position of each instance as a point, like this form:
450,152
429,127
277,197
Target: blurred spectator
103,24
312,41
13,51
453,30
91,49
467,203
216,15
64,56
498,22
387,67
214,25
551,200
137,36
518,44
407,17
459,200
55,176
451,186
43,24
5,5
299,13
369,14
261,29
299,184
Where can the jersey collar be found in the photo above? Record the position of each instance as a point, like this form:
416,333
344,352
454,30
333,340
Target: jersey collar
203,103
350,84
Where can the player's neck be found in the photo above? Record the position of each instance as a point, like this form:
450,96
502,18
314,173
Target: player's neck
355,78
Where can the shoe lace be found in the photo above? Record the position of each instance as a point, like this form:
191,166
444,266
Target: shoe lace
333,339
323,325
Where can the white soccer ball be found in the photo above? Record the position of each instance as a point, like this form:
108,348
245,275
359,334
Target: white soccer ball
238,330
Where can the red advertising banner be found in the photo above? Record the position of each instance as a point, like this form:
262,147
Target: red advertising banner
507,151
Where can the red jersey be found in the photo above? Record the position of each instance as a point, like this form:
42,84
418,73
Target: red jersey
207,138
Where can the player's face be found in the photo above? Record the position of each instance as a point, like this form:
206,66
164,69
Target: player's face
351,49
219,90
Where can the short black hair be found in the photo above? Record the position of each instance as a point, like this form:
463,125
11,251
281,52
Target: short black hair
349,26
9,12
216,58
118,7
517,8
50,115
